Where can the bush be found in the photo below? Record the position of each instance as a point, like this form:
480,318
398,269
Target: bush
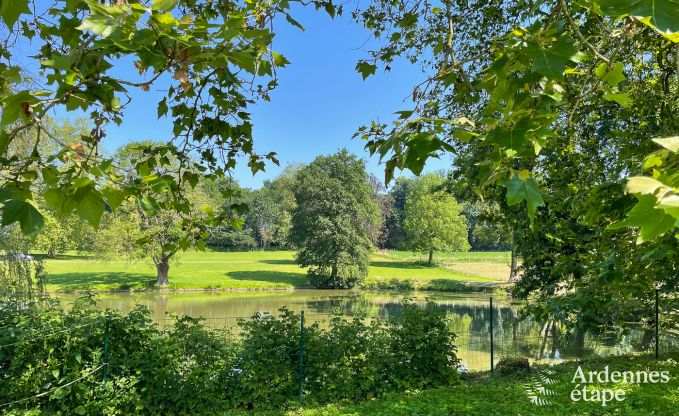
512,365
186,368
228,239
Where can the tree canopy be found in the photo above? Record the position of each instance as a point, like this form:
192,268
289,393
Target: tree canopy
433,218
213,59
331,220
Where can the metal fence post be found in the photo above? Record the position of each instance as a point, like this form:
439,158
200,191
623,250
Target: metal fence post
301,358
106,342
657,324
492,346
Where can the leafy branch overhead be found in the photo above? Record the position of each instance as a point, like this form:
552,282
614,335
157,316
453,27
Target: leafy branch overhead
508,82
206,61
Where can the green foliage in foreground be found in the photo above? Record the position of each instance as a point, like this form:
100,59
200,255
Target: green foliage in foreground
187,368
237,270
496,396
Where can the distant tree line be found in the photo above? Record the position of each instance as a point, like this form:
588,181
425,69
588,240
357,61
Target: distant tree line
267,223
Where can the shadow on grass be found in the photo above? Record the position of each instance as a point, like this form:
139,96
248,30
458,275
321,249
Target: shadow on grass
116,280
288,261
63,257
295,279
402,264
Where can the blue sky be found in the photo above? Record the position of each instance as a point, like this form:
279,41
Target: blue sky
319,104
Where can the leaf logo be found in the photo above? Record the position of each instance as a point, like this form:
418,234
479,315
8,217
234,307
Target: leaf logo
535,389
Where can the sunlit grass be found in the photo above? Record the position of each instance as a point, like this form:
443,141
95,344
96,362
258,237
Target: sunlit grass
233,270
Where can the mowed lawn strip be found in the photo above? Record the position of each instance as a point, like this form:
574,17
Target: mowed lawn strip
227,270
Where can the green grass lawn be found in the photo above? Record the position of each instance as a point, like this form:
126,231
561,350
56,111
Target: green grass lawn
487,395
242,270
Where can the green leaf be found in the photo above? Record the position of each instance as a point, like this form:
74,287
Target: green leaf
670,204
650,220
620,98
365,69
522,186
149,204
101,25
669,143
162,107
4,141
551,60
29,218
50,175
644,185
114,197
163,5
293,21
13,107
10,10
90,205
662,15
613,76
279,60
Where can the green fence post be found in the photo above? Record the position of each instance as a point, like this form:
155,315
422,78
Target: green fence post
657,325
492,346
301,358
106,342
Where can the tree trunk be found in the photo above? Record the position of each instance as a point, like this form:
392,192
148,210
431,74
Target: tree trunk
163,268
431,256
512,267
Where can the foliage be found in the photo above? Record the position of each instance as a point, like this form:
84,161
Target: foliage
60,235
487,226
210,60
161,233
21,277
433,218
508,366
331,221
487,395
393,212
185,368
224,238
549,106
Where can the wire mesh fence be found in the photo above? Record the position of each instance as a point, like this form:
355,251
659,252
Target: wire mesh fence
477,350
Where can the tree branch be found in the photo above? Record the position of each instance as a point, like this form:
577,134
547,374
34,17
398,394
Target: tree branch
578,34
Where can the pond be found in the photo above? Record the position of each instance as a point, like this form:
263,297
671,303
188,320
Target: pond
469,315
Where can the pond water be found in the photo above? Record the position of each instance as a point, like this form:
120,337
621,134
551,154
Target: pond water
469,315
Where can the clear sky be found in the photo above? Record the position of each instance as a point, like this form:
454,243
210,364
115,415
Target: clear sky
319,104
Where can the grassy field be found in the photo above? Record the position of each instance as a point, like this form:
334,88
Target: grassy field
487,395
257,270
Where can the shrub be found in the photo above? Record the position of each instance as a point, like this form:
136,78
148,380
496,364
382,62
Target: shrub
186,368
228,239
512,366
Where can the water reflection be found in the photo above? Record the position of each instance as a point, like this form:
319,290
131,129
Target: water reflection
469,316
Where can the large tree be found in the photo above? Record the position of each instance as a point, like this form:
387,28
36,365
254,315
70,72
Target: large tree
146,230
332,218
433,218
